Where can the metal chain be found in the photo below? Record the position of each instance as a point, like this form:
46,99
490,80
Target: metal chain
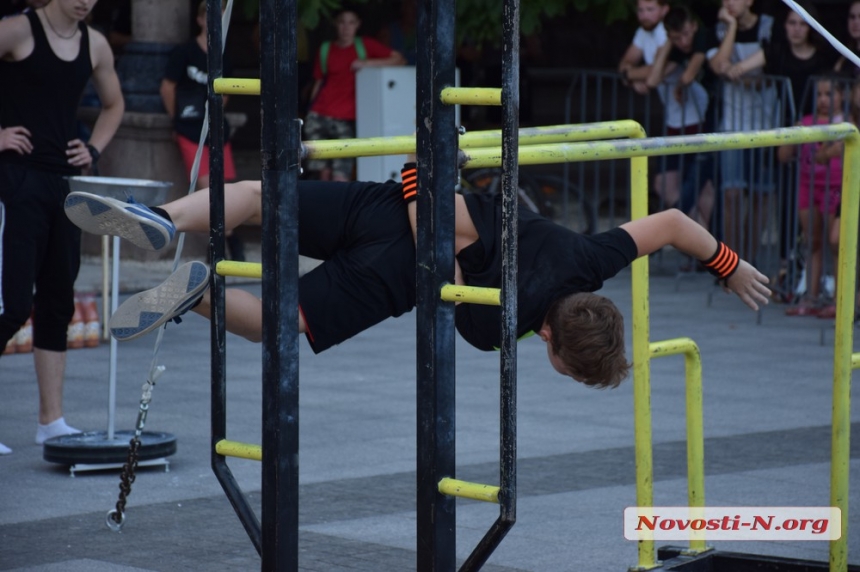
116,517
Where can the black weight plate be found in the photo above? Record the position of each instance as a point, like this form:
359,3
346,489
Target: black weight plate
94,447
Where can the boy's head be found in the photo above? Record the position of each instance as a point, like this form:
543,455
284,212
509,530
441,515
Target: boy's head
650,13
347,22
681,28
585,339
738,8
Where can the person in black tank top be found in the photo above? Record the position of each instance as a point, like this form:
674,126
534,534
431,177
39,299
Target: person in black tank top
46,58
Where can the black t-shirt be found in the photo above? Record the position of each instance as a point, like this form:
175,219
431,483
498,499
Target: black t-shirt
554,262
704,40
780,60
187,66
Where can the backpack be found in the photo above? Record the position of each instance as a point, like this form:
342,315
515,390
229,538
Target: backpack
324,49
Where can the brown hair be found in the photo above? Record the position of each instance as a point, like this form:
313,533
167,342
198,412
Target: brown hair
587,334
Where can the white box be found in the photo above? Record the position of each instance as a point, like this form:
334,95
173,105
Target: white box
385,107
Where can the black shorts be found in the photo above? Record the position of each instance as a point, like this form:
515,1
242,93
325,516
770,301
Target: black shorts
361,231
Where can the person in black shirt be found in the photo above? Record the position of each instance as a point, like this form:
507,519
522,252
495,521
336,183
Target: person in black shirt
364,234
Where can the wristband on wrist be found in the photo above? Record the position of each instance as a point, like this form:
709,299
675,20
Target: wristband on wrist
94,153
409,176
723,263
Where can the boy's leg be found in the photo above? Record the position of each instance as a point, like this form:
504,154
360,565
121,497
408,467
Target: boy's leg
149,229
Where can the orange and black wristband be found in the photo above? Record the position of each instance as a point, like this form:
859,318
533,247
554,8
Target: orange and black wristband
409,176
723,263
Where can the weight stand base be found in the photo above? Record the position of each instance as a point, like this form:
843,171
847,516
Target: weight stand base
83,467
673,558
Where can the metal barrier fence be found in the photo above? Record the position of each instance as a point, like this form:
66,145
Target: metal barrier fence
749,198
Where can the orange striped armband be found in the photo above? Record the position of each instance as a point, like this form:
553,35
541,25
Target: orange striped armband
409,176
723,263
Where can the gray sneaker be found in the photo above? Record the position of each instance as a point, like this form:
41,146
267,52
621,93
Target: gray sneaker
146,311
129,220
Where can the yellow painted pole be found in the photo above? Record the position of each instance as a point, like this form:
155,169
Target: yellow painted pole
403,144
695,424
657,146
843,348
641,360
474,491
240,450
244,269
236,86
471,295
471,96
622,128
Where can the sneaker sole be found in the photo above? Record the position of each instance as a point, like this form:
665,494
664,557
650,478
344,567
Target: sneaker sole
146,311
105,215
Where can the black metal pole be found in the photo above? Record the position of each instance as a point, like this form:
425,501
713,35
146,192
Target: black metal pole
508,357
437,177
218,357
280,254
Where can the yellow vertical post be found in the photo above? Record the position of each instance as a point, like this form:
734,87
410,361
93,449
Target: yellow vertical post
642,360
844,342
695,437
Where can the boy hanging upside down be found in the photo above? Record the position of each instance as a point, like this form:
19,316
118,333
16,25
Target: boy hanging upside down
364,234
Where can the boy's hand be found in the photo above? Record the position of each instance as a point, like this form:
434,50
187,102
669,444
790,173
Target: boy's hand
724,16
749,284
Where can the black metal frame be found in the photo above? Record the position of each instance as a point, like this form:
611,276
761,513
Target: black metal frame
437,175
218,408
277,539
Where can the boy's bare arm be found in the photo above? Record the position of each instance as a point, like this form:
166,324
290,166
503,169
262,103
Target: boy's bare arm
753,62
693,67
632,58
721,61
674,228
661,66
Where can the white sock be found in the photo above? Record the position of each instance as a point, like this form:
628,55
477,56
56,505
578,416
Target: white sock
4,450
53,429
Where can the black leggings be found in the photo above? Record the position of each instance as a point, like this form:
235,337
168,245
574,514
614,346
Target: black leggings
40,247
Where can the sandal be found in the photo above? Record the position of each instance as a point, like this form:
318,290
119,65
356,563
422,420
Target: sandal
803,309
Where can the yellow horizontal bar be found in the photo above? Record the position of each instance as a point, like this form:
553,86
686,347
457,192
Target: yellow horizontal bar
243,269
557,134
366,147
656,146
471,96
471,295
236,86
403,144
474,491
240,450
855,361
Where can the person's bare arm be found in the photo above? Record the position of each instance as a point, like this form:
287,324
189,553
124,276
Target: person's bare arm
674,228
661,66
315,89
16,39
107,86
395,59
721,60
695,64
632,58
753,62
16,42
167,90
